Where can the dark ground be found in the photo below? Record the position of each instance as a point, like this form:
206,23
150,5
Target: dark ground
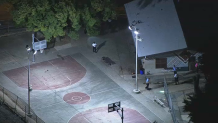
7,116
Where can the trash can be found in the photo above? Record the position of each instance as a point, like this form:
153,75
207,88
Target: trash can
141,72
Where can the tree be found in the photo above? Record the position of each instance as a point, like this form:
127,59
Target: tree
203,106
62,17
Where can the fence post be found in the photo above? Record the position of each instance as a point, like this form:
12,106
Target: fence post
15,105
25,113
8,27
183,92
3,95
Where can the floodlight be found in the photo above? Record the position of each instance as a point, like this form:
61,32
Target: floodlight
139,39
28,48
34,52
41,51
136,32
130,27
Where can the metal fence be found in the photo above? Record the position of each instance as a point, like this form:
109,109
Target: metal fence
169,101
7,28
173,99
178,97
18,106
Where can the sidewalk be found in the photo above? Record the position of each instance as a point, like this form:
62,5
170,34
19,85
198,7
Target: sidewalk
146,98
104,83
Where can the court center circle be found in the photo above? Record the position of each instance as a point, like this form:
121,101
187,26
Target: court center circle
76,98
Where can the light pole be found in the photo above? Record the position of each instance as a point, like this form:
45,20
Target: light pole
34,52
136,90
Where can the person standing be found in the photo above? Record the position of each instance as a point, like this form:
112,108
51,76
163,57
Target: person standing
85,31
109,23
94,47
147,83
174,69
196,67
176,79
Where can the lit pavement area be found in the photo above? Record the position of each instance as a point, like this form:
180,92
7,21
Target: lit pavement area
104,84
52,74
99,87
101,115
76,98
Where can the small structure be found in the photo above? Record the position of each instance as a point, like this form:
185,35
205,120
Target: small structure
167,40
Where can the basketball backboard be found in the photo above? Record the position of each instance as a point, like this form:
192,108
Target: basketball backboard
113,106
40,45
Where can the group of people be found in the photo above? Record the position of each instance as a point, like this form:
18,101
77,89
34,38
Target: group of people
176,77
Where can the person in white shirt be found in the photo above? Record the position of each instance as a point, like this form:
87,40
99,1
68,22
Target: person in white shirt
176,79
94,47
147,83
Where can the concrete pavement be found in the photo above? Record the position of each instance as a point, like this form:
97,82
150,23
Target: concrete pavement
103,83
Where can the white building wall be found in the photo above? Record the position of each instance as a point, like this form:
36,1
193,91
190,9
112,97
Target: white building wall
175,61
149,65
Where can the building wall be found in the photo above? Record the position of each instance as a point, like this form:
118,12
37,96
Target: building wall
175,61
149,65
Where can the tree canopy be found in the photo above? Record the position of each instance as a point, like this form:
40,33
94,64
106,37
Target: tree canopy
203,106
62,17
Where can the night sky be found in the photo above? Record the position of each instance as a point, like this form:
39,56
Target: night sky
199,22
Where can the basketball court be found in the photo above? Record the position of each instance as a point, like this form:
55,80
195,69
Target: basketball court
76,98
101,115
52,74
84,102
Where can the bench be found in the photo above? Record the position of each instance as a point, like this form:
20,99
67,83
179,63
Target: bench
108,61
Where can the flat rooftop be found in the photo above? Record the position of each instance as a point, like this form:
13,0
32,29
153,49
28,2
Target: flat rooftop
160,27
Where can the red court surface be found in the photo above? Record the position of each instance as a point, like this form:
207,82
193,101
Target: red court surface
101,115
76,98
52,74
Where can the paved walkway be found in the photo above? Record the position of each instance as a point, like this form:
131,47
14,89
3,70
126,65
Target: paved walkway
104,83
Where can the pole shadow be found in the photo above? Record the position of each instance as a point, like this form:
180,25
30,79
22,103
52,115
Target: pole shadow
101,45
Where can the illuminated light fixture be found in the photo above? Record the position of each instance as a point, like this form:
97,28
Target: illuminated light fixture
130,27
28,48
34,52
136,32
161,91
139,39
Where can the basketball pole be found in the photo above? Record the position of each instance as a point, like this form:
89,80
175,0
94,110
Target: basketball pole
122,114
28,84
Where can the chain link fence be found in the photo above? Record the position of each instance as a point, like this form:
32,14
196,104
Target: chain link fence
8,28
175,102
18,106
169,101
